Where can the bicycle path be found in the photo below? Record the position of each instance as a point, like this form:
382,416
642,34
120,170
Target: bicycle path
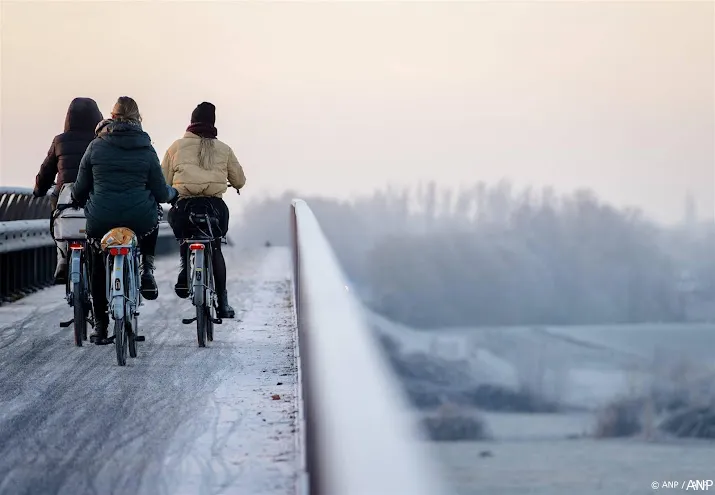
177,419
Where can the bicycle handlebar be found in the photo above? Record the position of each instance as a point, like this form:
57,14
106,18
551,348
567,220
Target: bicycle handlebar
67,206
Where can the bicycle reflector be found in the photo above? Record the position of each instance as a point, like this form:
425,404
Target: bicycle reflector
115,251
75,245
196,246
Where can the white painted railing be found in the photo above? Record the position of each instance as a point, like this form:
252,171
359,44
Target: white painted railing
361,438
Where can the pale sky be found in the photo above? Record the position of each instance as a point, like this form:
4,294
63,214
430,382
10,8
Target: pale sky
341,98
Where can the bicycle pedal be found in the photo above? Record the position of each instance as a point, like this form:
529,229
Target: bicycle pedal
188,321
217,321
65,324
139,338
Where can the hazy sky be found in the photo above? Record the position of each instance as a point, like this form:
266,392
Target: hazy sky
337,98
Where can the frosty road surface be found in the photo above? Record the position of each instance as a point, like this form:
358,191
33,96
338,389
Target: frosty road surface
177,419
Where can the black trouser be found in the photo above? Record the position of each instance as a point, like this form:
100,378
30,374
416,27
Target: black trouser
179,220
98,274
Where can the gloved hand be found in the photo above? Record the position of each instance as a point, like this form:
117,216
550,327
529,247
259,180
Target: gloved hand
173,195
74,203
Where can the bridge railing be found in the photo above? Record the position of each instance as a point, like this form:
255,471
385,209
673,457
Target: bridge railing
19,204
27,251
360,436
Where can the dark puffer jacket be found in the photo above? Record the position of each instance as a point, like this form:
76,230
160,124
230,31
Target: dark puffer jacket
67,149
120,182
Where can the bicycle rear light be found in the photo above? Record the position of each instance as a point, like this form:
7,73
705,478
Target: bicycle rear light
115,251
76,245
196,246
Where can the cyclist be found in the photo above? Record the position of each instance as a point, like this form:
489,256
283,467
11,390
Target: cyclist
120,184
198,165
62,161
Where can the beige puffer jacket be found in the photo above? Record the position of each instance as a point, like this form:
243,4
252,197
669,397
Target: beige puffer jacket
182,170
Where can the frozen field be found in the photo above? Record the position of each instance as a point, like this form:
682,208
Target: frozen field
584,367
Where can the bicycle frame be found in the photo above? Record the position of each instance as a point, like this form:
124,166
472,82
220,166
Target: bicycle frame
77,289
201,281
200,292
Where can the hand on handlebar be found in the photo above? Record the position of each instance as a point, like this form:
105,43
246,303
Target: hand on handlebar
67,206
173,195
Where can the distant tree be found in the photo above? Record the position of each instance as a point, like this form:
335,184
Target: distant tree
495,256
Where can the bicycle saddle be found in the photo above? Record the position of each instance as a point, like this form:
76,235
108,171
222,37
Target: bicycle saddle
200,219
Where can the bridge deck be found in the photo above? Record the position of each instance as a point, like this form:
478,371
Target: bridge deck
176,420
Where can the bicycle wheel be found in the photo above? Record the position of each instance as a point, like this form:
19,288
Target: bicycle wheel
120,341
201,324
210,310
87,295
132,323
87,309
131,335
199,302
80,318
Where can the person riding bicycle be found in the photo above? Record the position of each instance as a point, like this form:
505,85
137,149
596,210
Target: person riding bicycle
120,184
198,165
62,162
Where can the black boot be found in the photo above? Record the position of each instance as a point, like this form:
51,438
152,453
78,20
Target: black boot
149,289
182,283
224,310
61,270
99,336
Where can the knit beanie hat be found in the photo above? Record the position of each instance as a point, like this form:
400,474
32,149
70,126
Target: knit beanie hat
204,113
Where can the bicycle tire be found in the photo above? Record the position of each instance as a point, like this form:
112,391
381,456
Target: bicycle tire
130,338
132,322
87,295
120,341
80,318
211,292
201,322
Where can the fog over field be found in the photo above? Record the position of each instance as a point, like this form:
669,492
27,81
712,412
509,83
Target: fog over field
548,340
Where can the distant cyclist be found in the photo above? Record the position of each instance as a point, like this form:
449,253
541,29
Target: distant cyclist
120,184
198,165
62,161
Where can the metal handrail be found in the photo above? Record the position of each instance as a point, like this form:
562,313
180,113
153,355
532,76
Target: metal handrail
17,203
361,437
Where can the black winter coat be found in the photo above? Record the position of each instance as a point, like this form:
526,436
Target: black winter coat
67,149
120,183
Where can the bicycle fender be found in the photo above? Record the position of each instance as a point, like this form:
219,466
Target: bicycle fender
116,289
197,278
76,266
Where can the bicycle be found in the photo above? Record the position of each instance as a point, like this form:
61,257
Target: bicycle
69,226
124,298
202,290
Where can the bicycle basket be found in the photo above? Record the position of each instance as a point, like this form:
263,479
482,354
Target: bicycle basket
119,236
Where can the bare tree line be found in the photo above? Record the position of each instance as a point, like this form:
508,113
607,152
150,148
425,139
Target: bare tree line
492,255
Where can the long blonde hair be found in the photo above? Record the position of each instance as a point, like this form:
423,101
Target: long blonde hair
207,153
126,109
